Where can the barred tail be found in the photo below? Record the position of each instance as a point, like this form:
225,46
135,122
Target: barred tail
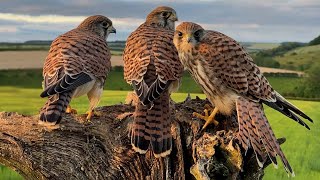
55,107
255,131
288,109
152,127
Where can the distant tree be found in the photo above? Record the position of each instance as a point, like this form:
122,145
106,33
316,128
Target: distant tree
282,49
266,61
315,41
312,85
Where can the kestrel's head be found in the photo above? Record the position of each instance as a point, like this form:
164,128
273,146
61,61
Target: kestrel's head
98,24
188,34
163,16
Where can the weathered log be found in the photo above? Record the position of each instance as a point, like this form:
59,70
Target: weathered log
101,149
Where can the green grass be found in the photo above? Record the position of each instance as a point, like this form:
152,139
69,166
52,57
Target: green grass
286,86
7,174
302,145
14,99
116,50
33,78
255,47
262,46
23,47
300,58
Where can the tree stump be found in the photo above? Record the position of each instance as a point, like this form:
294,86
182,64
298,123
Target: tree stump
102,150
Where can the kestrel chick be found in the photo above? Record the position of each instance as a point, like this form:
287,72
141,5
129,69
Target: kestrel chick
232,81
77,64
152,67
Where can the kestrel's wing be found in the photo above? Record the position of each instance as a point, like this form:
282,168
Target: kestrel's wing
74,59
150,64
232,64
150,47
228,60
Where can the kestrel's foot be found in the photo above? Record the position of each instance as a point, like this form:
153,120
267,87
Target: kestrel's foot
50,126
70,110
209,119
91,114
124,115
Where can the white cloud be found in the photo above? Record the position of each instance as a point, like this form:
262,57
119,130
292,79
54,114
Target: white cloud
41,18
121,23
8,29
50,26
234,26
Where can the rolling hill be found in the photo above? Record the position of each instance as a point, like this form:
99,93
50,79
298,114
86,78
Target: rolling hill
301,58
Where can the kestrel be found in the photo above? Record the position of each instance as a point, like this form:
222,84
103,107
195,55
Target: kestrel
232,81
77,64
152,67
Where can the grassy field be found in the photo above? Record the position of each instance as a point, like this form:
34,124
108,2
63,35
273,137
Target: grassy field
255,47
300,58
32,79
116,47
7,174
302,145
13,99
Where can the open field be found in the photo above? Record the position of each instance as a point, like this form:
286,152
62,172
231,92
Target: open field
301,58
33,78
301,147
255,46
35,60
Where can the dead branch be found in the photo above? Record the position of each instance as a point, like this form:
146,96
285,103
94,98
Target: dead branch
102,150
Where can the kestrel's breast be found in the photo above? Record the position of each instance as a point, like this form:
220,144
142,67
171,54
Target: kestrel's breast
219,95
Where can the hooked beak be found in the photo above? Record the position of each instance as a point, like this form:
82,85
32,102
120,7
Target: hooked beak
173,17
113,30
188,38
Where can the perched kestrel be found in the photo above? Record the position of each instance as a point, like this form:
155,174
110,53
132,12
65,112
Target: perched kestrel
232,81
77,64
152,67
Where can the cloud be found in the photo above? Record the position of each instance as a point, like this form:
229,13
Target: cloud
41,18
284,19
224,25
44,27
8,29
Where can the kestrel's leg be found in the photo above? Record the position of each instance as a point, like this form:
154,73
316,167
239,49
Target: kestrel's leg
94,97
209,119
70,110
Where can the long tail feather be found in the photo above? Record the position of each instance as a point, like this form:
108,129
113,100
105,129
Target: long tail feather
288,109
152,127
255,130
55,107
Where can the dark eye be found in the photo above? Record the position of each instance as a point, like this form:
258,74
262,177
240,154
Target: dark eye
197,34
165,14
180,34
105,24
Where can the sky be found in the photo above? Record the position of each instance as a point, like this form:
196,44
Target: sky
243,20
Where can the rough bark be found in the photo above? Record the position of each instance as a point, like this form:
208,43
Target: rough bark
101,149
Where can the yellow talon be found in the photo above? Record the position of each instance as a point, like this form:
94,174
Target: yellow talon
209,119
91,114
70,110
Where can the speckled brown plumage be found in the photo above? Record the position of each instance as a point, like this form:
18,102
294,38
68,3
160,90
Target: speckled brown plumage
77,64
232,81
152,66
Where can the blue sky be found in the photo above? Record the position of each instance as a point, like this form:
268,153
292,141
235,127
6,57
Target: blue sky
244,20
